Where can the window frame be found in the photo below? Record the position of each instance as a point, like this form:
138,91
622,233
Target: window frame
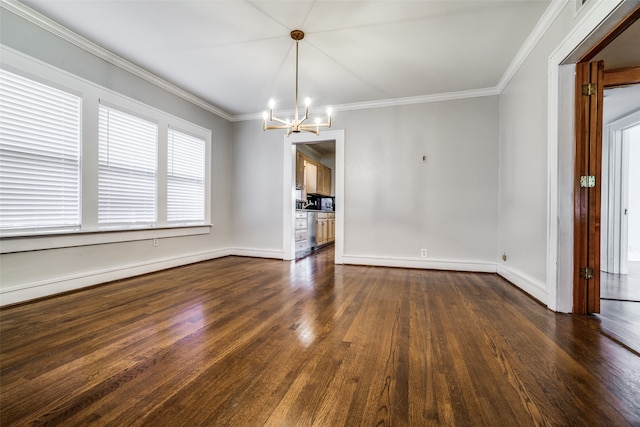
169,175
139,174
78,98
90,232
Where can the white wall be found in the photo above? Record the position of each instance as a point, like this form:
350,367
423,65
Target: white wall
523,184
257,176
634,193
395,205
25,275
536,151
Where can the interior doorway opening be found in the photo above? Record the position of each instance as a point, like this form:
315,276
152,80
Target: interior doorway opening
337,137
621,183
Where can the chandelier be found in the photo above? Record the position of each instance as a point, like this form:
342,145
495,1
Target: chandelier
296,125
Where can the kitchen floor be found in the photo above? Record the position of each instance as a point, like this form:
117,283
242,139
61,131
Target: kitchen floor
620,306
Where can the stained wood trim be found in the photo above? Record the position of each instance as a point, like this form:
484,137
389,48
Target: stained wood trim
621,77
611,35
580,195
595,195
588,162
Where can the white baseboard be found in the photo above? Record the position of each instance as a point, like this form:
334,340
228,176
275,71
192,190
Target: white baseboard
258,253
29,291
533,287
422,263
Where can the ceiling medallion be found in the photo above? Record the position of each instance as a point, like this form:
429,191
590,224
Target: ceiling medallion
296,125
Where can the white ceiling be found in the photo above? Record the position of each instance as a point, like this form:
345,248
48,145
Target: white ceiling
237,54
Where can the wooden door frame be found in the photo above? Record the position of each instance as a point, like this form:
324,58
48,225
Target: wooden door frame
587,199
588,162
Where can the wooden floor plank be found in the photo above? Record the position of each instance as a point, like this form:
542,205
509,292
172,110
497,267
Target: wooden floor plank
251,342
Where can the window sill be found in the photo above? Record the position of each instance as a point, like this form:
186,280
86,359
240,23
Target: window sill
12,244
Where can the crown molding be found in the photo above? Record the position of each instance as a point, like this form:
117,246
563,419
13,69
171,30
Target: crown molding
394,102
59,30
543,24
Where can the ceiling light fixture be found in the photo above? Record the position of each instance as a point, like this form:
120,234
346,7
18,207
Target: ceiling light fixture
297,125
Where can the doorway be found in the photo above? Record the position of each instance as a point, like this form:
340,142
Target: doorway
289,198
621,180
620,274
601,239
606,64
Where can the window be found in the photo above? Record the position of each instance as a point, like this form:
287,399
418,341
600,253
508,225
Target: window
185,177
40,139
127,168
81,164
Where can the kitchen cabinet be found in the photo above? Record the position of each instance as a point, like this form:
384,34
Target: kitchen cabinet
322,232
310,177
301,234
325,228
323,181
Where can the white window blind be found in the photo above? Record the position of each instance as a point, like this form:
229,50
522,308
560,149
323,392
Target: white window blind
185,180
40,136
127,171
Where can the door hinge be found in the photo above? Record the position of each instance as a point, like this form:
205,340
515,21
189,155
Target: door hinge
589,89
586,273
587,181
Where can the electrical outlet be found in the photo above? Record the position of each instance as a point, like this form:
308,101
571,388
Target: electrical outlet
423,253
425,158
504,256
155,242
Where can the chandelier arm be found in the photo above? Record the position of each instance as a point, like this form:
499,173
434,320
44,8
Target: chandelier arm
313,126
276,127
275,119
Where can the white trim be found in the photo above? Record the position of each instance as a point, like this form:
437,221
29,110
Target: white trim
543,24
394,102
421,263
288,207
257,253
28,291
289,199
89,238
102,53
531,286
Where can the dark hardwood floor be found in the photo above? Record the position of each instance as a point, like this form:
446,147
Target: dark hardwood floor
250,342
620,306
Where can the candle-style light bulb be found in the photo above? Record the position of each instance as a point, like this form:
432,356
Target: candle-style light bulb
272,103
307,102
